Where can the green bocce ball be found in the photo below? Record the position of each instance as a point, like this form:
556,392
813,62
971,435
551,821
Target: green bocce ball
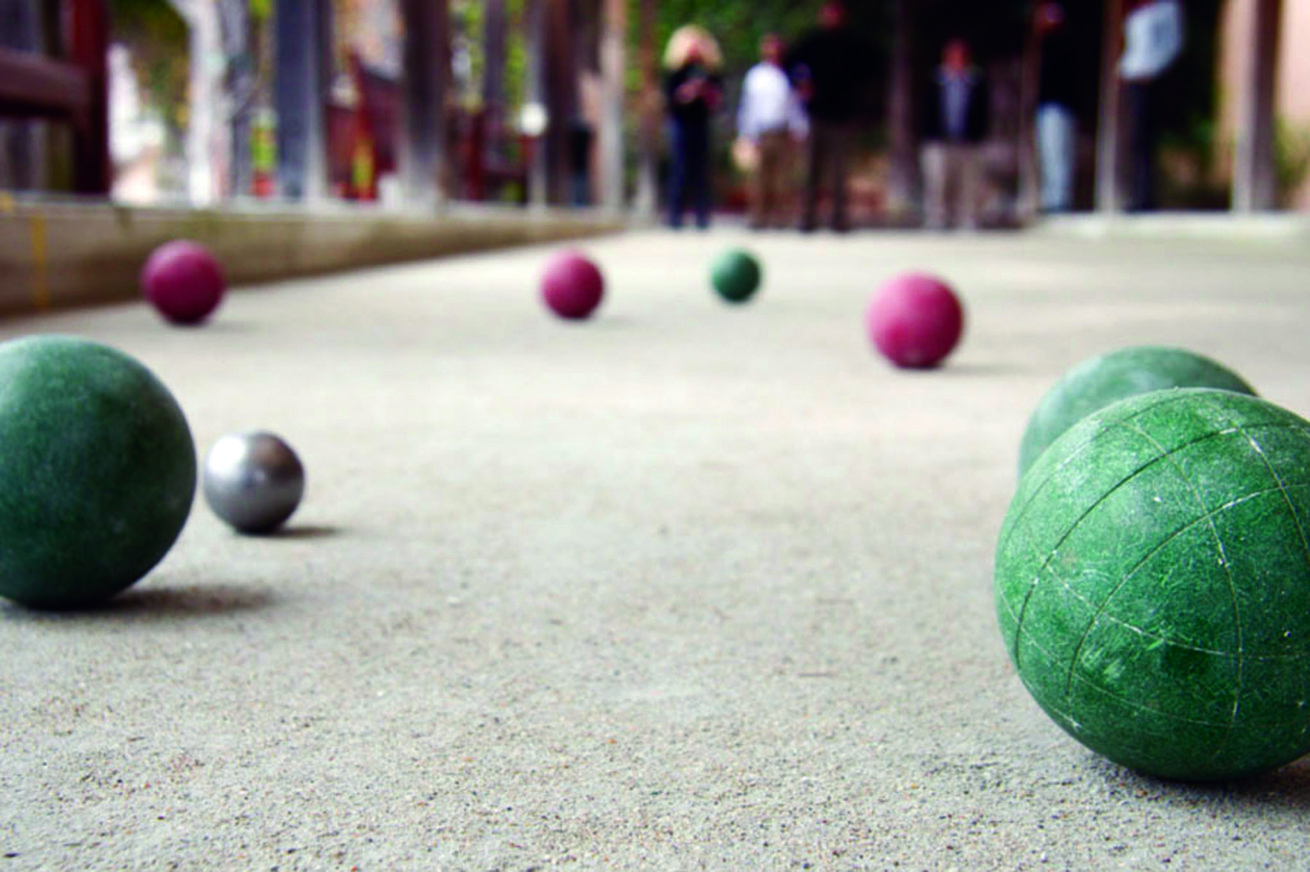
1153,583
736,276
1100,381
97,471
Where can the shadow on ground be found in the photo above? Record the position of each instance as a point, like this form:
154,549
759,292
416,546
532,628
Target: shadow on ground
156,603
308,531
1286,789
967,370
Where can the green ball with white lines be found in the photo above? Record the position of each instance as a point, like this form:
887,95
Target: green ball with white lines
1118,375
1153,583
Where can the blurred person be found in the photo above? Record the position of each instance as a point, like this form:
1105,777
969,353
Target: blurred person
582,138
957,114
1057,130
1153,40
693,90
768,118
830,67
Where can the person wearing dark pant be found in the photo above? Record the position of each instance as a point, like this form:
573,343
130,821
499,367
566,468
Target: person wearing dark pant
830,69
1141,145
693,91
1153,39
689,185
1056,121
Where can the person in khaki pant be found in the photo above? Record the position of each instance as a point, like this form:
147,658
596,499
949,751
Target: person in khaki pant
955,125
767,120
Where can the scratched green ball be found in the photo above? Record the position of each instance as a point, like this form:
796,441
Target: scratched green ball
1153,583
1107,378
736,276
97,471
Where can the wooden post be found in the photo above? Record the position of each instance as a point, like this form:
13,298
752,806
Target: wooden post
89,50
20,139
561,83
647,200
427,71
493,80
1029,87
614,26
239,85
1108,186
534,24
300,92
203,49
903,172
1255,181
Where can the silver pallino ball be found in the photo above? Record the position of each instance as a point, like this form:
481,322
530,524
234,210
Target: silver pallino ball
254,481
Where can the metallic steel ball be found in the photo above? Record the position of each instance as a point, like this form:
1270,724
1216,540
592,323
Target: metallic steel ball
254,481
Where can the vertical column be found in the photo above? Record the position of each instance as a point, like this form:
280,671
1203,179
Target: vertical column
239,84
1255,183
20,29
1029,199
904,159
614,24
205,57
561,91
493,74
300,91
89,48
493,53
647,202
534,22
1108,188
427,70
493,89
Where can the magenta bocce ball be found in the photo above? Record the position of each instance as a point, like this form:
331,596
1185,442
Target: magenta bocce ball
915,321
572,286
183,281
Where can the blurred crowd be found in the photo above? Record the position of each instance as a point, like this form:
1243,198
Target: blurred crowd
801,104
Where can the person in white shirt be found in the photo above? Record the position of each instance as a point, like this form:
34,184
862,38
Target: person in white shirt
768,118
1153,40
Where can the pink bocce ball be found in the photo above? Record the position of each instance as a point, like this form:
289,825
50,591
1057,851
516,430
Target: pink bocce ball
183,281
915,321
572,286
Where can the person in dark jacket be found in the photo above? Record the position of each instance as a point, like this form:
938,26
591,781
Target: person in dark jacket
1057,89
956,118
1154,37
693,91
830,70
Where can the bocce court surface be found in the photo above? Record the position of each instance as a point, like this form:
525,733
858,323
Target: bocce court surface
687,586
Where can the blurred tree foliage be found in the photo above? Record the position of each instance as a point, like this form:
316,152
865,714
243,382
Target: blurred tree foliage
1292,159
157,39
467,20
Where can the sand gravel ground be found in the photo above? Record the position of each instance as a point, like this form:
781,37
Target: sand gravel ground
686,587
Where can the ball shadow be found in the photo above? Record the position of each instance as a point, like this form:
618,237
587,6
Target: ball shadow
1287,788
155,603
967,370
219,324
599,322
308,531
